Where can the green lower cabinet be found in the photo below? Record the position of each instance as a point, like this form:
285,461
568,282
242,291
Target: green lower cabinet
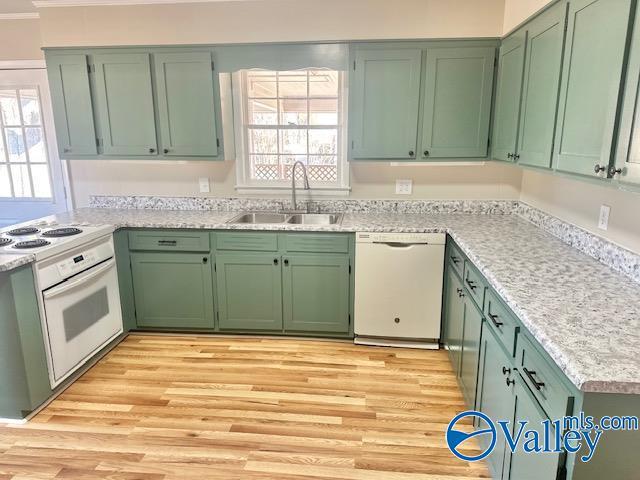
249,286
454,317
495,392
316,293
470,351
173,290
521,465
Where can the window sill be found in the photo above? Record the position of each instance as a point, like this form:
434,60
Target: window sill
300,192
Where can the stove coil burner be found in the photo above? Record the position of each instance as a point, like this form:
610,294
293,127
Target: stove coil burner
62,232
5,241
31,244
23,231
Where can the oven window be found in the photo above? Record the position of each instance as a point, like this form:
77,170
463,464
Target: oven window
88,311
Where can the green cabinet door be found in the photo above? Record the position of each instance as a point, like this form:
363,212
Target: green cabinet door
173,290
591,79
125,104
186,103
249,289
454,317
470,351
385,90
72,107
457,102
543,58
508,91
316,293
529,466
627,166
495,397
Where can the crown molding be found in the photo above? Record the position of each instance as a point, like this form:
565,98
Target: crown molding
19,16
101,3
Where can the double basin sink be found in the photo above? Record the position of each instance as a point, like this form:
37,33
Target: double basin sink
281,218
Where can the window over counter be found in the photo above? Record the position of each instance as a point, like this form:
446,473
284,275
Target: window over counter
287,116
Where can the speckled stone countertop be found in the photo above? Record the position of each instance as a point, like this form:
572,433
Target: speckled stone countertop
585,314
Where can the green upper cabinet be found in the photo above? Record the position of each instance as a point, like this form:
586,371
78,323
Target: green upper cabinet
590,89
172,290
627,166
543,58
386,92
186,103
249,287
125,104
72,107
508,91
316,293
457,102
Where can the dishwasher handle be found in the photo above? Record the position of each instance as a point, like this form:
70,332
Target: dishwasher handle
400,244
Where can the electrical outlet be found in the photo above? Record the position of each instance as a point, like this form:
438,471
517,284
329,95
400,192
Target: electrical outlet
203,182
404,187
603,220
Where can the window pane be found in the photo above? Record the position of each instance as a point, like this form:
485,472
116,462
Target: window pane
287,166
323,83
292,84
5,186
35,144
263,141
15,145
261,84
20,175
293,111
293,141
9,107
323,168
264,167
30,107
3,157
263,112
323,141
41,182
323,111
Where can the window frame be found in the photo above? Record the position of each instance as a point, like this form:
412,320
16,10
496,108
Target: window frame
244,182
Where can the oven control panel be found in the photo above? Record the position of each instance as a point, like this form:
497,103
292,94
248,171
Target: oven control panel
76,264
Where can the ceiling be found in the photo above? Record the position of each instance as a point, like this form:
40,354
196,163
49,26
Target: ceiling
16,6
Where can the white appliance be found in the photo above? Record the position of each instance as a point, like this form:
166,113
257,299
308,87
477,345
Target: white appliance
398,289
80,304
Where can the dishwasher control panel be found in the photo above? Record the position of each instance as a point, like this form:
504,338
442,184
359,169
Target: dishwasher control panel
388,237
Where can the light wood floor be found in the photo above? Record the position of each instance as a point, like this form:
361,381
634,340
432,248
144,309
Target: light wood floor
196,407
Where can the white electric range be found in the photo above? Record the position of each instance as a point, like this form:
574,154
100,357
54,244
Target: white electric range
77,284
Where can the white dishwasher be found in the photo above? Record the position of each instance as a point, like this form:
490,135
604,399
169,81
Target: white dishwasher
398,289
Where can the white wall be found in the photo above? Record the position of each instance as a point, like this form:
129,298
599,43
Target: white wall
20,40
517,11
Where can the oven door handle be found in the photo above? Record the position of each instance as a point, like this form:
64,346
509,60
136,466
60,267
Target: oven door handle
92,273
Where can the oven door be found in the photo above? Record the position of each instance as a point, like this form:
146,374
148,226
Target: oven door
82,316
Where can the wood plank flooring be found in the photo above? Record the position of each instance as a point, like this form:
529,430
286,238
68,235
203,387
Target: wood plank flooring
198,407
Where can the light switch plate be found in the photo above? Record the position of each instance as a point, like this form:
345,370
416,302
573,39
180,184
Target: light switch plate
404,187
603,220
205,187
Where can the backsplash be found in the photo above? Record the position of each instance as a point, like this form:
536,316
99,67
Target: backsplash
619,258
495,207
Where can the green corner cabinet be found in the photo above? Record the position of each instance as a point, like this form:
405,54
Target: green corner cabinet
135,103
420,101
509,376
237,281
23,366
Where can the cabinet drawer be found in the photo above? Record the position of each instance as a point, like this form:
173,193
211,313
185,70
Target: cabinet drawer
182,241
259,242
544,379
455,257
504,323
316,243
474,282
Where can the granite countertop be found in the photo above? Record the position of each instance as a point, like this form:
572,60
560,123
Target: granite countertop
585,314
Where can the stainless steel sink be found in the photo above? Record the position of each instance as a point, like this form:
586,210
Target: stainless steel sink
259,217
316,218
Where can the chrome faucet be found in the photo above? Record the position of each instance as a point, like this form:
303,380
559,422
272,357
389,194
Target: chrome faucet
294,205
